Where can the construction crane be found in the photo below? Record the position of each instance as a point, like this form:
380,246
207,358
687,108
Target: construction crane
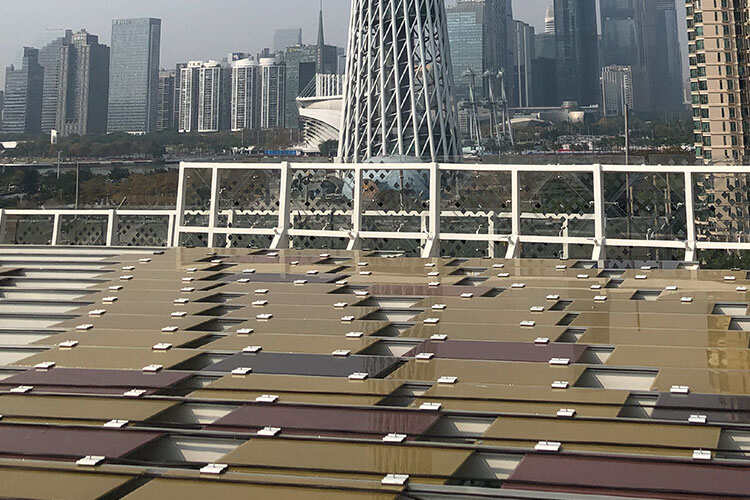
475,130
499,113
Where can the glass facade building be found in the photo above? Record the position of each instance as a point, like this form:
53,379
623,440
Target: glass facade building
468,41
23,95
49,59
577,51
134,75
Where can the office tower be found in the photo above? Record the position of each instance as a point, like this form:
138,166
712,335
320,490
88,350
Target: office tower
210,95
398,100
165,118
549,21
245,95
303,62
177,82
49,59
273,93
23,95
134,75
188,100
643,34
282,39
523,56
719,65
577,40
617,90
662,55
2,107
481,41
341,60
83,89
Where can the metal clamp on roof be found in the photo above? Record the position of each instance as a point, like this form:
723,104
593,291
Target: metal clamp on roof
87,326
503,275
566,413
170,329
518,285
22,389
242,371
394,438
355,335
162,346
395,480
152,368
116,424
134,393
178,314
245,331
365,273
361,293
341,353
98,312
248,271
548,446
267,398
447,380
261,291
553,297
260,303
109,300
269,431
358,376
45,366
431,406
342,282
528,324
214,469
698,419
440,337
679,389
252,349
702,455
560,384
536,309
559,361
90,461
115,288
439,307
424,356
541,340
467,295
128,268
182,300
264,317
431,321
68,344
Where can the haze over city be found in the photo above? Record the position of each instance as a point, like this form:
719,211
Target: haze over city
194,30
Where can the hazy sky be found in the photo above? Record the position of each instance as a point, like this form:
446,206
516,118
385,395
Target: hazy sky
191,29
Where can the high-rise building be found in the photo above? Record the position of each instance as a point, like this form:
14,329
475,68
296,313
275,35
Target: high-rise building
549,21
284,38
165,118
617,90
273,93
719,66
83,90
23,95
577,40
177,93
523,56
2,108
210,90
49,59
134,75
398,97
662,56
205,94
245,95
188,97
481,41
643,34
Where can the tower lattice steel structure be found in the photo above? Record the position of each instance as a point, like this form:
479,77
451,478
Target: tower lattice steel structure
398,99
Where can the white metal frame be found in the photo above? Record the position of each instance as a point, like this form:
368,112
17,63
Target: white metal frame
113,221
431,234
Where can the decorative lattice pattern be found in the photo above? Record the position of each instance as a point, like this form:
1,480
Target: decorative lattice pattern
27,230
83,230
143,231
322,199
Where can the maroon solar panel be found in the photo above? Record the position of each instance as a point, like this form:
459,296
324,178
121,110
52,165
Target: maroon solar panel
75,377
500,351
53,442
617,476
330,420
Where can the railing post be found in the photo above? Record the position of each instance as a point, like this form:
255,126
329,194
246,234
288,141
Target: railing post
281,238
355,243
432,246
171,230
600,240
179,217
230,224
212,217
514,244
691,243
491,233
56,229
3,223
112,228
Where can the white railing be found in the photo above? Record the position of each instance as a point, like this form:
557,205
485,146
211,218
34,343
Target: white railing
431,231
495,210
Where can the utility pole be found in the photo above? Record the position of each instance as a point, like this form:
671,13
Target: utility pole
78,173
59,155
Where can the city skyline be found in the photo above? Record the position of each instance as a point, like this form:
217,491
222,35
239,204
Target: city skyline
38,24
